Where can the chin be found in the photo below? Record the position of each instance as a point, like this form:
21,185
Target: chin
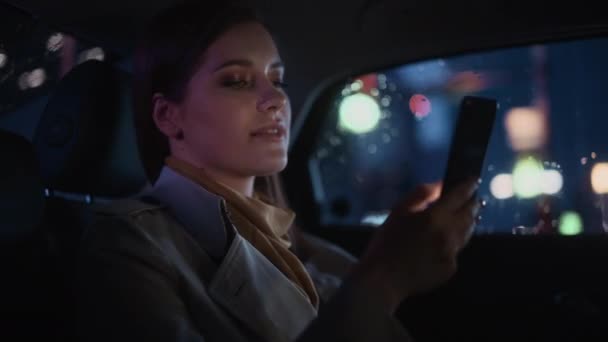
269,168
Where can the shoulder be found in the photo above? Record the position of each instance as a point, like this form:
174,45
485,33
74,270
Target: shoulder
136,213
134,234
139,228
128,207
126,224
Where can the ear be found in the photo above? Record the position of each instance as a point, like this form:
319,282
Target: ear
166,116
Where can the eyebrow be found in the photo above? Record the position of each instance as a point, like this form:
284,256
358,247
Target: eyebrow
246,63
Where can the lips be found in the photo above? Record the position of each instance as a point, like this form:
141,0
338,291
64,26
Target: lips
277,131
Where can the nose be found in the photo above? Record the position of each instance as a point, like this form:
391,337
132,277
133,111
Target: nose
272,100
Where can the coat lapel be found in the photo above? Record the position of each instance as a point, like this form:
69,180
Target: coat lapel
250,287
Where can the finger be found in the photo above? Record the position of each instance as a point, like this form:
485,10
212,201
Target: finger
466,220
468,233
454,245
464,240
434,191
472,207
459,196
461,235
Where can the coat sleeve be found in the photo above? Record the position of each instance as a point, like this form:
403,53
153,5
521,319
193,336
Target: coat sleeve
352,314
127,290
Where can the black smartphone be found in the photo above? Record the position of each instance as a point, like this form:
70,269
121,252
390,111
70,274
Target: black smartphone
474,127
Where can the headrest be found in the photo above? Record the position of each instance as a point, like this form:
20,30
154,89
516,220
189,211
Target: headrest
85,139
21,190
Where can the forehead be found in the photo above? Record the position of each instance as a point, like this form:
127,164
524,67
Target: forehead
246,41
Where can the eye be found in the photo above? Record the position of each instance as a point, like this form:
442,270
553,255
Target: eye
236,84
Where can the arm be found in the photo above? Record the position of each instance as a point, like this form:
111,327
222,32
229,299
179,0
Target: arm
414,251
357,312
351,309
326,256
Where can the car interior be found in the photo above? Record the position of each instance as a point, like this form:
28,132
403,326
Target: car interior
375,88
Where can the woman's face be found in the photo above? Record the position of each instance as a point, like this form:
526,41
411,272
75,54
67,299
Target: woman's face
235,115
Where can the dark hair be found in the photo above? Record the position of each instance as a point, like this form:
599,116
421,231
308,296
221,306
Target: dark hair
166,58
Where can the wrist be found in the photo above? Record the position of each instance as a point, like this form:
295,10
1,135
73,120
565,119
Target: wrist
375,283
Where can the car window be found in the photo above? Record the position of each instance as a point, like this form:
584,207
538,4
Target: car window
33,58
546,170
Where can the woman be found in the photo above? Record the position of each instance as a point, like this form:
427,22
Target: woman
203,255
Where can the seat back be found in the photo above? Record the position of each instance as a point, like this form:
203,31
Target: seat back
24,304
87,150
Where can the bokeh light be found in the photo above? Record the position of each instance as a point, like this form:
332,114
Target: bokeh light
552,182
570,223
36,78
420,106
526,128
501,186
599,178
528,178
55,42
367,83
95,53
359,113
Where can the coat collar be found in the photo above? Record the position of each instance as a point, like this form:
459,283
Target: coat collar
198,210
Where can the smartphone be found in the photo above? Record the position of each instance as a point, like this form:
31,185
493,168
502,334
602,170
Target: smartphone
470,140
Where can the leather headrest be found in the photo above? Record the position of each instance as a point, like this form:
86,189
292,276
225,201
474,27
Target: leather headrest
85,139
21,190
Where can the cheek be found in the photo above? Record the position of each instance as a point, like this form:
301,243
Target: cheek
216,121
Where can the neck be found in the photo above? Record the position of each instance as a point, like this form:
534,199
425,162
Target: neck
243,185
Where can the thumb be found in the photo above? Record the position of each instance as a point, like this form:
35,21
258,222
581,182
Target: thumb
421,197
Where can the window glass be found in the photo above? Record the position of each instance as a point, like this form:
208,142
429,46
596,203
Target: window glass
546,170
34,57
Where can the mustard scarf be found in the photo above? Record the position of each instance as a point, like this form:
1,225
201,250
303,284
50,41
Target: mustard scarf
265,226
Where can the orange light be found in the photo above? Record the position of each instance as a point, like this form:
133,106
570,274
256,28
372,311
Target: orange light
526,127
599,178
